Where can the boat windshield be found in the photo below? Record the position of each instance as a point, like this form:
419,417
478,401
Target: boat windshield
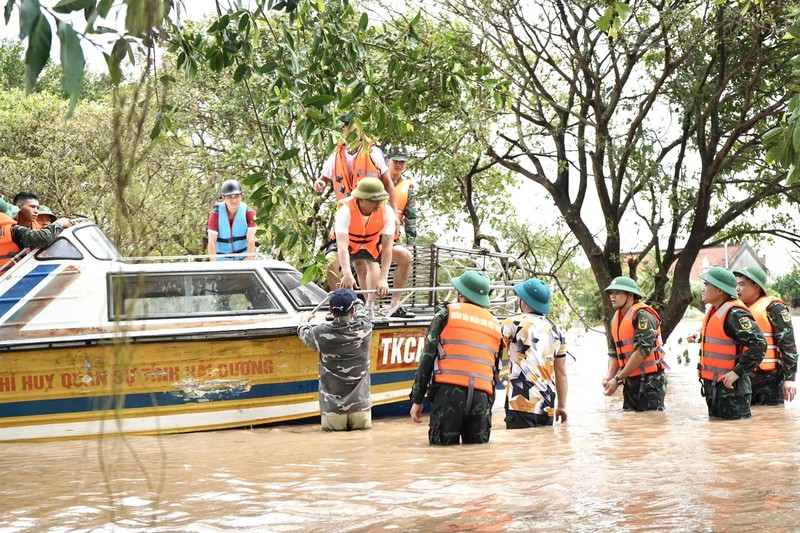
96,243
303,296
153,295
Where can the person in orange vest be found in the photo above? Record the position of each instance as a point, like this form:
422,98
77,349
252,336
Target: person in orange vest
731,347
14,237
28,205
459,366
231,225
537,356
364,227
637,359
773,380
407,219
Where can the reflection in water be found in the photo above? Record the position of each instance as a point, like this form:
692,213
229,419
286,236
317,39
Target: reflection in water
604,471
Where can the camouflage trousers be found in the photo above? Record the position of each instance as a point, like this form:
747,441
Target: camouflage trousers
728,404
450,421
645,395
767,388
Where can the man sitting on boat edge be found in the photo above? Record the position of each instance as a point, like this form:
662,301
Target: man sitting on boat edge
13,237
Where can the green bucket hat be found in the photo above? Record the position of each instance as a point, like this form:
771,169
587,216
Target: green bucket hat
371,189
535,293
44,210
625,284
473,286
754,274
721,278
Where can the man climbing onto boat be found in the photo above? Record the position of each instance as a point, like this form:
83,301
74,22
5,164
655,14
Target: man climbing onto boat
364,228
343,346
14,237
231,225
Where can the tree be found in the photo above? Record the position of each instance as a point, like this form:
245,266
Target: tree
660,124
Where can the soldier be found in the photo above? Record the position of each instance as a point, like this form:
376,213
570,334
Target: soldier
407,218
28,205
731,346
343,346
637,360
45,216
537,355
459,366
13,237
773,379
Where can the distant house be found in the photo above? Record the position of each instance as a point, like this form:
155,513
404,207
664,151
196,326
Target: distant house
731,257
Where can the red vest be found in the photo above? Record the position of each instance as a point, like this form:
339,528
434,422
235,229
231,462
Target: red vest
623,330
468,347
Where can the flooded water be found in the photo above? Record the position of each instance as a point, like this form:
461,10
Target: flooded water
603,471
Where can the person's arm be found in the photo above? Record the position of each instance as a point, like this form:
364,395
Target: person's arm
425,368
387,241
341,227
644,337
410,217
562,386
781,320
251,233
211,227
388,184
5,207
741,326
38,238
328,169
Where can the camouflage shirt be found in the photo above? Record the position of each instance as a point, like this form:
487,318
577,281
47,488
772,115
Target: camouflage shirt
778,315
741,327
34,238
422,380
645,327
343,346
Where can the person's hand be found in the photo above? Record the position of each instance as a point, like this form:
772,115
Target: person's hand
610,387
348,281
729,379
416,412
789,390
306,316
64,222
320,185
694,337
561,415
383,288
605,380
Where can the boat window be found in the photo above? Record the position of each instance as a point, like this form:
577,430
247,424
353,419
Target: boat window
96,243
172,295
60,249
308,295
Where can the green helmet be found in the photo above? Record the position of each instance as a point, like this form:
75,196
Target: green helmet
721,278
625,284
754,274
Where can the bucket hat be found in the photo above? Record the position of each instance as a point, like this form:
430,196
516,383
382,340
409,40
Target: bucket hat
474,286
625,284
721,278
753,273
535,293
371,189
44,210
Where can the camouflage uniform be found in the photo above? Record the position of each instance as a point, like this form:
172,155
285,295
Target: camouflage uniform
34,238
731,404
644,392
344,382
768,386
450,418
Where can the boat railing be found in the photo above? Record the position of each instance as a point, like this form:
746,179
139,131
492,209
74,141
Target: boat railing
183,258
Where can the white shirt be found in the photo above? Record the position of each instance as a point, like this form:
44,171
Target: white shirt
342,221
329,169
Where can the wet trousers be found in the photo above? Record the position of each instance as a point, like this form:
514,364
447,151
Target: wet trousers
728,404
348,422
453,421
767,388
645,395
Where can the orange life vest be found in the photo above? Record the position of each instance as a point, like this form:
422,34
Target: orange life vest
718,351
363,167
467,351
623,330
8,248
759,310
364,235
401,191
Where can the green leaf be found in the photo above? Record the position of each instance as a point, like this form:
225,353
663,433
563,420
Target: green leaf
103,7
38,52
796,137
311,274
72,62
241,72
319,100
8,10
795,31
363,22
623,9
114,71
267,67
29,13
68,6
288,154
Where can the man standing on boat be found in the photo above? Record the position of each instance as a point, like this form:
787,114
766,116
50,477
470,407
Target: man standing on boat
14,237
731,346
773,379
537,355
231,225
637,360
406,218
364,228
343,346
459,366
